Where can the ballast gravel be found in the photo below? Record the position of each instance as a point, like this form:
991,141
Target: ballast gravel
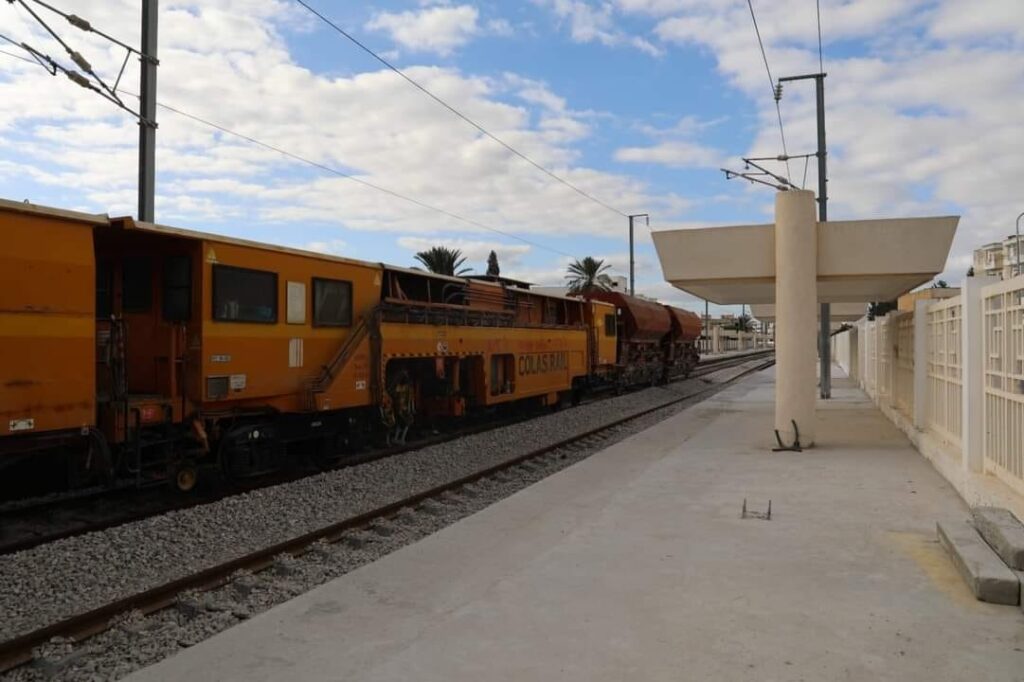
54,581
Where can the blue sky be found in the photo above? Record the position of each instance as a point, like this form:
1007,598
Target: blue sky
636,101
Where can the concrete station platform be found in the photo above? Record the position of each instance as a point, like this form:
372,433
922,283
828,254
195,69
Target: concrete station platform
635,565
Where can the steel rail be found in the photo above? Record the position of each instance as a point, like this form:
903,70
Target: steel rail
19,650
148,507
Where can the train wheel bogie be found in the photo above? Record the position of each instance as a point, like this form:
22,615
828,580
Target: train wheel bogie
249,450
184,476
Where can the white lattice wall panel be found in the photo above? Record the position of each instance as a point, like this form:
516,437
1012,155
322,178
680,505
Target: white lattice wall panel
945,381
1003,314
903,361
870,370
883,353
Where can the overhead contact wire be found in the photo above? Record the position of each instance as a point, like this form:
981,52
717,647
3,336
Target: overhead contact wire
329,169
458,113
356,179
771,87
18,56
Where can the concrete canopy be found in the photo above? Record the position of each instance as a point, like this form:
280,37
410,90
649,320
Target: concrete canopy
841,312
858,260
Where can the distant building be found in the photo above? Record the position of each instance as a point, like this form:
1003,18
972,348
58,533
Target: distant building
999,259
1013,262
988,260
906,302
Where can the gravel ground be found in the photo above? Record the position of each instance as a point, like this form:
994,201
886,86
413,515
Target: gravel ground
137,641
60,579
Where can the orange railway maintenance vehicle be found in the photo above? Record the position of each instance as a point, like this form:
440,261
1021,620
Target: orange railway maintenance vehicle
133,349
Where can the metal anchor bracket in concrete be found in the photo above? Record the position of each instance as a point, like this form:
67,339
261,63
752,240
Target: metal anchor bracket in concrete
763,516
795,447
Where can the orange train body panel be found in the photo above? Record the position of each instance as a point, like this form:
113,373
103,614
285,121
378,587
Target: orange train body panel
133,334
543,360
602,320
268,363
47,322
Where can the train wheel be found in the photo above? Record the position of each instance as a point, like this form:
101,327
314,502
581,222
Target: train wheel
185,475
325,453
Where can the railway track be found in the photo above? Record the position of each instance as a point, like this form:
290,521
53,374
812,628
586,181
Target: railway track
31,524
22,649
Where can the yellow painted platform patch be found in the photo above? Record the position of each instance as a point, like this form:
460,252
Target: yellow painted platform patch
928,554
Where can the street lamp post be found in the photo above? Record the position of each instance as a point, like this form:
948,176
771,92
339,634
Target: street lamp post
707,328
632,264
147,112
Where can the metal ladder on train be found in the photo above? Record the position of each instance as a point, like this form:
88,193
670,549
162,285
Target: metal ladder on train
320,383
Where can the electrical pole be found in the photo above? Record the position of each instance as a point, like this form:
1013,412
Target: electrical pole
147,112
632,263
825,314
707,328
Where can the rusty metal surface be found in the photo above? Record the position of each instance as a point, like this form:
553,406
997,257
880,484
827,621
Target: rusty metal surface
686,325
645,321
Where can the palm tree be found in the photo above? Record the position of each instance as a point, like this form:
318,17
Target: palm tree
443,261
588,275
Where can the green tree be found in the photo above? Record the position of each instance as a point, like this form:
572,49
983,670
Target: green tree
879,308
941,284
443,261
588,274
492,265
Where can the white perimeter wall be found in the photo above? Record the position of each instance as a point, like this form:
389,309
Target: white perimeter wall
950,373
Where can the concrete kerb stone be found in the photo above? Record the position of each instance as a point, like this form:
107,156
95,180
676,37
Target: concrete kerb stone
1020,579
982,569
1003,532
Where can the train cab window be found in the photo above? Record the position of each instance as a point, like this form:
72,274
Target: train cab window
609,325
332,303
104,290
244,295
136,284
551,311
503,378
177,288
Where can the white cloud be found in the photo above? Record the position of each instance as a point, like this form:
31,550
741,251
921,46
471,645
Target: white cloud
499,27
675,154
979,19
686,127
437,29
655,7
536,92
475,251
332,247
675,146
372,125
927,121
597,23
